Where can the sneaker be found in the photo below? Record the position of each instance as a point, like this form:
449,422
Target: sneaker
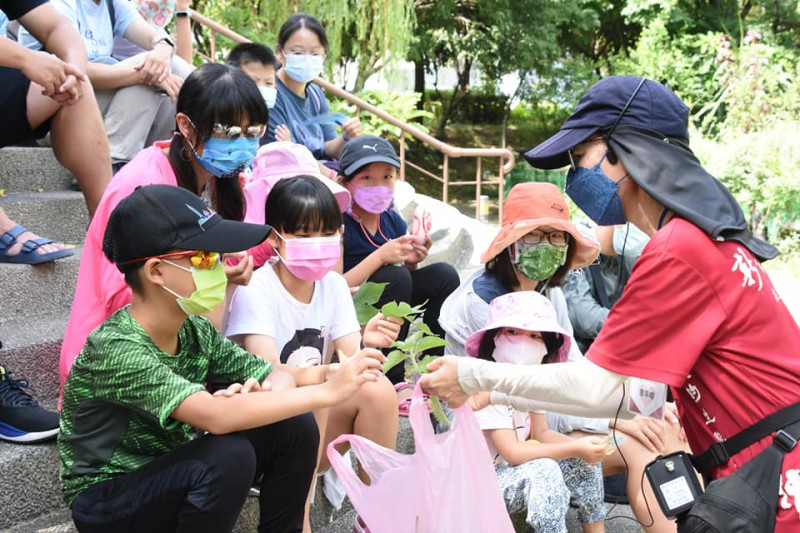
21,418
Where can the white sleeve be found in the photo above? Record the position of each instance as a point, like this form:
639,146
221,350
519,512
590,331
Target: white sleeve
343,311
494,417
581,388
251,312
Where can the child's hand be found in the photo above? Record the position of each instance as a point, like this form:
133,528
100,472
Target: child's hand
397,250
241,272
381,332
282,133
479,400
646,430
591,449
419,251
251,385
352,373
352,128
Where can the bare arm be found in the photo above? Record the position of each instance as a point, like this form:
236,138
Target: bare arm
56,34
264,347
226,414
392,252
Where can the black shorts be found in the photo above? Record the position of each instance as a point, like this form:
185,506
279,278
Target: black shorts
14,109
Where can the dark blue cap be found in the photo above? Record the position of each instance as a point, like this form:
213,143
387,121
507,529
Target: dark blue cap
653,107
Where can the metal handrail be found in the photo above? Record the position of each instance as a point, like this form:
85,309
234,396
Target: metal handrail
506,156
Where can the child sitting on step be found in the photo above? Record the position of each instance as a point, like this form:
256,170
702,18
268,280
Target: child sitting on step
298,310
376,245
136,397
538,469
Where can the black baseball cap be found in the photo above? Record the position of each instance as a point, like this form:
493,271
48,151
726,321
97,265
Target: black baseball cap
613,101
156,219
363,150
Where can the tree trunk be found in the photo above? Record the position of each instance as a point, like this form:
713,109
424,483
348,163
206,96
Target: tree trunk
419,82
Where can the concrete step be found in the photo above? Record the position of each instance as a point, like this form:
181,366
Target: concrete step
30,482
25,169
30,290
59,215
31,348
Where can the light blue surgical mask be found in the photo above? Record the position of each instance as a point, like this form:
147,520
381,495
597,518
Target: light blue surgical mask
596,194
269,94
303,68
225,158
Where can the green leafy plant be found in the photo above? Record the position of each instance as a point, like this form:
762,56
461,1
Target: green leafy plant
411,350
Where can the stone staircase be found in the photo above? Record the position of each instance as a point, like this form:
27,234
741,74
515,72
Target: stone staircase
34,307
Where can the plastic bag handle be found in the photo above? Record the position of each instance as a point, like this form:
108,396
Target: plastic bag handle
418,415
345,470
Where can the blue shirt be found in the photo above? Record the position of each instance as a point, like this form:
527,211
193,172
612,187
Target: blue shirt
359,243
93,22
294,111
488,287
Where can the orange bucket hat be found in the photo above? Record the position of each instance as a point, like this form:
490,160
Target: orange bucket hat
534,205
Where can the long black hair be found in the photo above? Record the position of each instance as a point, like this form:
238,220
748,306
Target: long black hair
298,21
302,204
215,93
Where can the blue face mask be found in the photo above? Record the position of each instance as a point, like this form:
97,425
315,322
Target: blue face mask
225,158
596,194
303,68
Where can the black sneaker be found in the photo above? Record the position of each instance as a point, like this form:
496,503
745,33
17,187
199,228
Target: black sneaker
21,418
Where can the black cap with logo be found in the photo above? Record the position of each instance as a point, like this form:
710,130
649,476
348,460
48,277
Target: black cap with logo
363,150
157,219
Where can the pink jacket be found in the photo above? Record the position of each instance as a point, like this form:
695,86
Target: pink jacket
101,288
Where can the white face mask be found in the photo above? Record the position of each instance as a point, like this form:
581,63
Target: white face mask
269,94
518,349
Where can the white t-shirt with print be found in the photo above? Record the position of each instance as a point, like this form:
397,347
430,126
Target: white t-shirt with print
93,22
302,331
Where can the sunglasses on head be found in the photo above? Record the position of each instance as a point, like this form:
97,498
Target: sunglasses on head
200,260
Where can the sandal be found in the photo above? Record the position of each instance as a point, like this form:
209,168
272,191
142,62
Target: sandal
27,254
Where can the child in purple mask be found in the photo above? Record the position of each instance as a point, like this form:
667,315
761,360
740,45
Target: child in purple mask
376,245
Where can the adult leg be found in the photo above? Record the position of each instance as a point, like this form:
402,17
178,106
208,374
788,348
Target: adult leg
538,487
585,483
370,413
433,284
198,487
78,139
286,454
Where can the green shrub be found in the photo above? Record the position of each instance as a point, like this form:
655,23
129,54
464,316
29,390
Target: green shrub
402,106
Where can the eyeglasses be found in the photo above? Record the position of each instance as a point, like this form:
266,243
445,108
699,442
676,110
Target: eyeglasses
200,260
575,160
234,132
556,238
298,52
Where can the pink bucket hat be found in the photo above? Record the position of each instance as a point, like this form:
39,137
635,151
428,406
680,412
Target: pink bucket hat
278,160
523,310
275,161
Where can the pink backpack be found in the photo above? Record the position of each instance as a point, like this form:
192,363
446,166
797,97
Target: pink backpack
449,484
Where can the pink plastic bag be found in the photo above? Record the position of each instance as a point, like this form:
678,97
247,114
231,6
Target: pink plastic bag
449,484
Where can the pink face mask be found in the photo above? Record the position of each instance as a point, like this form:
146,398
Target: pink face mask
311,258
518,349
374,200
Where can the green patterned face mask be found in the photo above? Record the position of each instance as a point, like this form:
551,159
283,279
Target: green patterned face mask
539,261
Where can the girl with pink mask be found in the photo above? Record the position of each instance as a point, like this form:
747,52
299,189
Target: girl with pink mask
297,310
376,245
539,470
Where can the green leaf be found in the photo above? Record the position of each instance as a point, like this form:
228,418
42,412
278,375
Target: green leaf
365,312
394,358
369,293
391,309
426,343
438,411
414,338
422,326
425,361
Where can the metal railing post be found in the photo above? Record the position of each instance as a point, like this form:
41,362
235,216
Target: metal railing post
445,177
402,156
478,191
